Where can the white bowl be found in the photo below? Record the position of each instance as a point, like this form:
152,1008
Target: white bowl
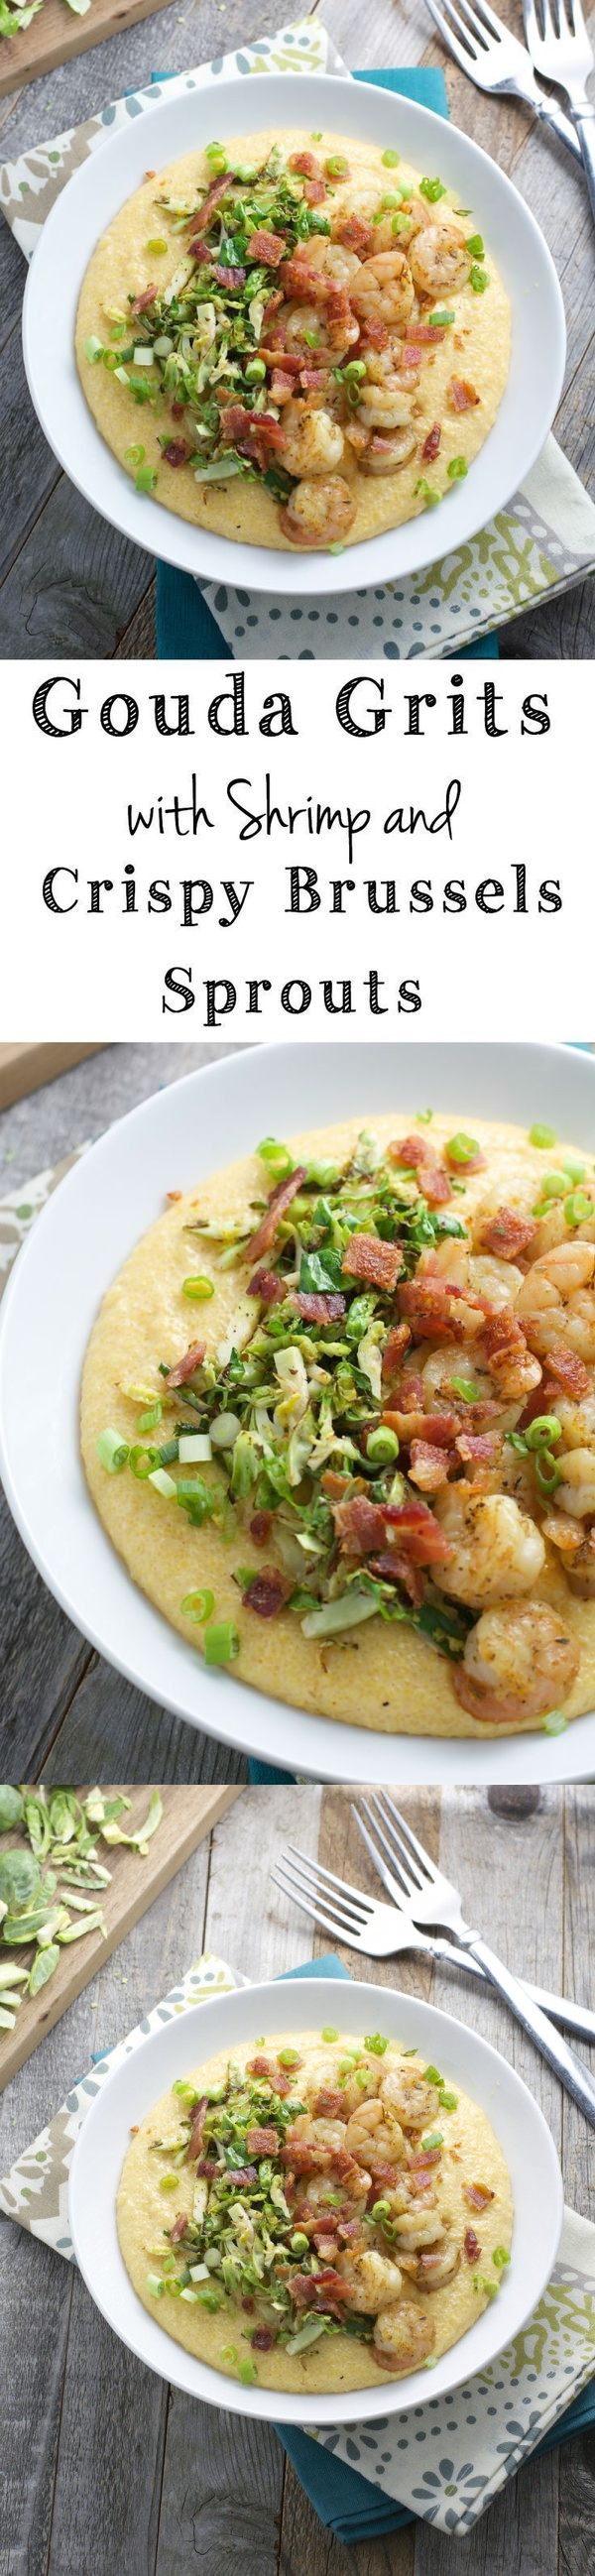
74,1251
178,125
464,2059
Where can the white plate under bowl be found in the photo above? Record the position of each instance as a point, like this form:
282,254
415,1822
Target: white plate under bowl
76,1248
465,2060
178,125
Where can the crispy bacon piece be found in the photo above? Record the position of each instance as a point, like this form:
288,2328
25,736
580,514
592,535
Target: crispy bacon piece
411,357
431,443
272,306
260,1528
232,277
396,1344
179,2228
478,1448
218,189
267,247
420,2165
390,1567
418,1532
568,1370
305,164
243,2178
423,333
177,410
263,2339
430,1304
267,1592
440,1428
473,1162
142,302
267,2067
333,1484
348,2229
279,1201
290,361
461,395
281,385
502,1338
316,1308
175,453
316,2289
373,332
360,1525
262,2142
314,192
185,1368
267,1285
472,2245
354,234
197,2131
200,250
313,379
477,2194
418,1155
329,2105
301,2156
507,1233
429,1466
366,1257
411,1391
327,2245
234,422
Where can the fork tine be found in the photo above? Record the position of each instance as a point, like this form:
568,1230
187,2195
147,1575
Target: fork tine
464,53
473,20
493,26
316,1870
389,1880
416,1880
429,1869
407,1884
327,1924
338,1905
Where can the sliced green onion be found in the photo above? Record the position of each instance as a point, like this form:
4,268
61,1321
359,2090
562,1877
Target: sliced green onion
435,2139
426,490
198,1288
255,371
431,189
556,1723
578,1208
337,167
376,2044
194,1448
276,1158
390,159
155,2288
247,2373
570,1164
300,2244
146,479
332,1616
168,2181
229,2355
457,469
464,1387
222,1643
549,1476
93,349
142,357
543,1137
440,321
312,339
475,246
143,1462
382,1445
478,279
461,1148
112,1452
198,1606
544,1428
500,2258
288,2057
157,249
330,2034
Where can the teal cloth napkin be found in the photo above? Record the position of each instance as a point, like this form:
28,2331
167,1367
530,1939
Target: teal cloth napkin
185,629
344,2502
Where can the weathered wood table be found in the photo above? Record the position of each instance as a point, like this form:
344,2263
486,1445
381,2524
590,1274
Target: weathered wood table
103,2469
56,1694
68,582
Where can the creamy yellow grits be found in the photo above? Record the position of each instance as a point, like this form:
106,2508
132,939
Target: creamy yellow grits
470,2157
125,264
388,1678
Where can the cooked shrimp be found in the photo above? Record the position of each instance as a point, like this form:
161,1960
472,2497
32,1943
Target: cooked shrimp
384,288
373,2281
418,2225
331,259
482,1272
325,331
387,454
577,1421
385,398
576,1494
552,1229
375,2133
430,2269
581,1573
403,2337
323,2139
313,440
404,2090
438,257
519,1661
557,1299
497,1548
320,513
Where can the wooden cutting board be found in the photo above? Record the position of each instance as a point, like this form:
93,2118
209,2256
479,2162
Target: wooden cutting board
25,1068
56,34
188,1815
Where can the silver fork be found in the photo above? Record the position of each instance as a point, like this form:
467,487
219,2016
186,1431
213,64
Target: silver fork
363,1923
560,49
432,1898
496,60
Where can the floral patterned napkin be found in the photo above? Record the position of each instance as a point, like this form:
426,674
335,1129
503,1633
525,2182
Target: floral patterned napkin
543,542
446,2460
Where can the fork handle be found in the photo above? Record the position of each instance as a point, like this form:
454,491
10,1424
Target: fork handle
584,120
549,113
576,2078
573,2016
